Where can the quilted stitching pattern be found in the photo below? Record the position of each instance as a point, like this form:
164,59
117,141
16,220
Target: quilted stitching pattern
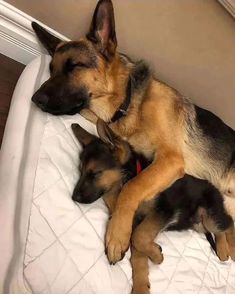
65,248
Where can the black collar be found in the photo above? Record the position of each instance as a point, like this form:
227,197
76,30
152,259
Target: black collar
122,110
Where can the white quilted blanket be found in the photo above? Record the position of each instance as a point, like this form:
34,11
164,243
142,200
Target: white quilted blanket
62,243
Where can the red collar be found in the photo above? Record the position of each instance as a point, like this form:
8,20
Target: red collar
138,166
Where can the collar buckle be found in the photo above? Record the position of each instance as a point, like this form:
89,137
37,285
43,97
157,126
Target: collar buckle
123,111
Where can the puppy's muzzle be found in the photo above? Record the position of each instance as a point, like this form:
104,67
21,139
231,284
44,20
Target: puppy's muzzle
40,99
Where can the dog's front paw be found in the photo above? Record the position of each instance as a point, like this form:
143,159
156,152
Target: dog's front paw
117,240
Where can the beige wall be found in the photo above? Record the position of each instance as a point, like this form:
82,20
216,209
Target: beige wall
190,43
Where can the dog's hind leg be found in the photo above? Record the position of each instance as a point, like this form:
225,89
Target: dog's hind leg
225,243
140,272
144,235
218,222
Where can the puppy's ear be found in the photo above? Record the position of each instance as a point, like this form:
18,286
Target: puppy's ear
120,148
49,41
84,138
102,30
106,134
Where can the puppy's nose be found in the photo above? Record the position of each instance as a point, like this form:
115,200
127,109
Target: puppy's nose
76,197
40,99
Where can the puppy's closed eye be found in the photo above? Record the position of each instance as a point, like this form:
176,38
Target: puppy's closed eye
95,174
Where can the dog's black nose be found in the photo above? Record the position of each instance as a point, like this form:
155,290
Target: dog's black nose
76,197
40,99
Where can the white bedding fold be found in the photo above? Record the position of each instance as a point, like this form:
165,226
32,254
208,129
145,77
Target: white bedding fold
18,163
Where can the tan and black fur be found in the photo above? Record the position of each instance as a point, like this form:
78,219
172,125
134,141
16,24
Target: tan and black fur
107,163
90,76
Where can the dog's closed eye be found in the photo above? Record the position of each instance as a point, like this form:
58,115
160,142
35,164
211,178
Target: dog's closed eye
95,174
71,65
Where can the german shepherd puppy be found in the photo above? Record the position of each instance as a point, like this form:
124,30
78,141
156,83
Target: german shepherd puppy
108,162
92,77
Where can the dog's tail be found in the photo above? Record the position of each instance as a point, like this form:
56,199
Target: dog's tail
211,240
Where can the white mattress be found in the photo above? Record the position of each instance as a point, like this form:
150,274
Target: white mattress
49,244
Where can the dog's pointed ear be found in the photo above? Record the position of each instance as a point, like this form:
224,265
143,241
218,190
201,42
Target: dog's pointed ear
121,149
106,134
49,41
102,30
84,138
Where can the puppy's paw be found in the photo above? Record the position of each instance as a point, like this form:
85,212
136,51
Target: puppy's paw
156,255
232,252
223,252
141,289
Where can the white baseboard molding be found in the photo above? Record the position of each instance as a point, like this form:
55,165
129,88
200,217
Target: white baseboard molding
17,38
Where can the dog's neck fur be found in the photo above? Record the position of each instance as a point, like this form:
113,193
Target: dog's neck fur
107,103
141,80
121,70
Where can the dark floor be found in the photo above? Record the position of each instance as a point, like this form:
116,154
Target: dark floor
10,71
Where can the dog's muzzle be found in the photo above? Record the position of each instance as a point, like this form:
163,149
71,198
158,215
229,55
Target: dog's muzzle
42,101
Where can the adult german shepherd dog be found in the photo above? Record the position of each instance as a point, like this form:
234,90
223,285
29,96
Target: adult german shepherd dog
155,119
